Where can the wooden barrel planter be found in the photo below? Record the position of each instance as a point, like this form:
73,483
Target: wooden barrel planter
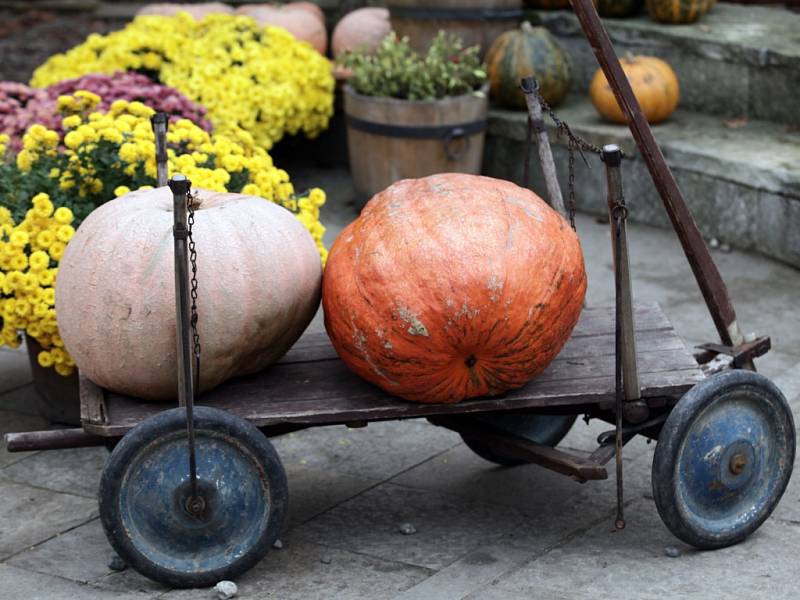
474,21
390,139
57,397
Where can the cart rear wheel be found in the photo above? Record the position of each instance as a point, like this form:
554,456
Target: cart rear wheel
543,429
723,460
145,493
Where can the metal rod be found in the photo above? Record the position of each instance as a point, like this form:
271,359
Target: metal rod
530,88
159,122
705,271
180,185
612,158
618,380
52,440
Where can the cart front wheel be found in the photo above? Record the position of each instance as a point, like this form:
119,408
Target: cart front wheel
159,528
542,429
724,459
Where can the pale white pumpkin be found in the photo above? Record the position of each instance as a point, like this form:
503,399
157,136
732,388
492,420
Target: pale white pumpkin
198,11
259,278
296,18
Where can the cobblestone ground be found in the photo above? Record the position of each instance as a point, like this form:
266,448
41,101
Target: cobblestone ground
481,531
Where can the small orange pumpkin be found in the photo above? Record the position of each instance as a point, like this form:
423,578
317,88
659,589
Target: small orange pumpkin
654,84
453,286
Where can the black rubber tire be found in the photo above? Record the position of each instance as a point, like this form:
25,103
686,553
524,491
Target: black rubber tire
543,429
249,442
691,419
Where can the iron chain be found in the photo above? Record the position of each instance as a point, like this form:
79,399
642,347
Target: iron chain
193,290
574,142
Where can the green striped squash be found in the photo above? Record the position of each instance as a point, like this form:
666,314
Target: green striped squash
525,52
619,9
678,11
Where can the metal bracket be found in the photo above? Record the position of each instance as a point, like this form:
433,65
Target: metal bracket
742,354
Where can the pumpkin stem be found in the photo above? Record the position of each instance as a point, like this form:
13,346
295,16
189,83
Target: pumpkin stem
526,27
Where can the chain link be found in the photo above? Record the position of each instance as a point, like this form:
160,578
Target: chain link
574,142
193,291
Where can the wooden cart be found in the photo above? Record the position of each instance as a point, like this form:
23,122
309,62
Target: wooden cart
195,494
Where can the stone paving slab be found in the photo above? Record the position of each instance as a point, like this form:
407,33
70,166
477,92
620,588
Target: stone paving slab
11,421
447,527
81,554
305,483
376,451
19,583
303,569
605,562
30,515
75,471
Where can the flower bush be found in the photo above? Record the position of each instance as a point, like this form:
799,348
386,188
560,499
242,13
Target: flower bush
248,77
58,179
22,106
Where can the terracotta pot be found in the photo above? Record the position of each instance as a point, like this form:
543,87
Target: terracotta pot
58,397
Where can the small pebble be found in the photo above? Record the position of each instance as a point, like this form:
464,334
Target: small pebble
225,590
724,247
672,551
277,545
117,564
713,243
407,529
325,559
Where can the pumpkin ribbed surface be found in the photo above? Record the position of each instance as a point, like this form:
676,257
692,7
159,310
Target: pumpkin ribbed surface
654,84
525,52
678,11
259,277
453,286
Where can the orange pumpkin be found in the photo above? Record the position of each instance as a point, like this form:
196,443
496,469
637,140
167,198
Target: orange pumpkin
301,22
453,286
654,84
360,30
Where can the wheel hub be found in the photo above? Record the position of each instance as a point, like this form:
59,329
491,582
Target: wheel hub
736,465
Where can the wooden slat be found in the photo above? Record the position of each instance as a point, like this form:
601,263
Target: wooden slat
93,403
308,388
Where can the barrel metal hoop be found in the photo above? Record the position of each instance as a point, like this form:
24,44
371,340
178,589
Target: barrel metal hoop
418,132
423,13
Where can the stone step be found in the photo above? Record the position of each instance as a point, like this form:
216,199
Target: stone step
740,179
737,61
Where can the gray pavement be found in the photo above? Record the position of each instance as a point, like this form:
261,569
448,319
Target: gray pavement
482,532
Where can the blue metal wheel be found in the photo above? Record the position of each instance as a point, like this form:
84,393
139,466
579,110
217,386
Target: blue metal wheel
548,430
160,529
724,459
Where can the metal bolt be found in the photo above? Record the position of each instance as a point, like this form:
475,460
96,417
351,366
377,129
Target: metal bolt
195,505
738,463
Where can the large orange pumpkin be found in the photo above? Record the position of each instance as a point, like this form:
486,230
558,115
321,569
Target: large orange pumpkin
259,279
302,23
453,286
654,84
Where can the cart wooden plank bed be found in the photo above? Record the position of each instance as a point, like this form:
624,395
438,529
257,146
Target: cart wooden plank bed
312,386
